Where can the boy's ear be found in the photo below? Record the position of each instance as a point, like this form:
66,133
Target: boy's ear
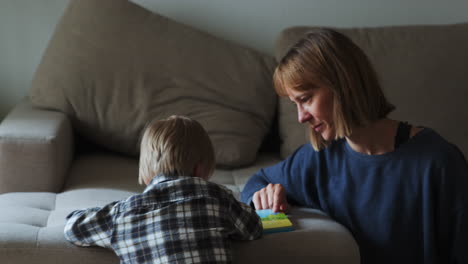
199,172
147,181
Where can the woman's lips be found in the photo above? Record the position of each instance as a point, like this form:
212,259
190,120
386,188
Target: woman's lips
318,127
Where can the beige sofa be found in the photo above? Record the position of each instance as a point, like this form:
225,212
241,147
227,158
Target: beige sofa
111,66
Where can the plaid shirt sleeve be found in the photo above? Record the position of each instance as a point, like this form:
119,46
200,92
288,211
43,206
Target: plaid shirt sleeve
247,223
91,227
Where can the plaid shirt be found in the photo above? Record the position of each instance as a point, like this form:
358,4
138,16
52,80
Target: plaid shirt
175,220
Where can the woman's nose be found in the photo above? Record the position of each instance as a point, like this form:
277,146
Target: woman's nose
303,115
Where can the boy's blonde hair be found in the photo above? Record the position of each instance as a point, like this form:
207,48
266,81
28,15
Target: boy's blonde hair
175,146
327,58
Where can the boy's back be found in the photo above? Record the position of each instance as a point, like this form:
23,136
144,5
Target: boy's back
180,217
176,219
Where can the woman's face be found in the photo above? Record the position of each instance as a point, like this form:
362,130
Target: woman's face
315,107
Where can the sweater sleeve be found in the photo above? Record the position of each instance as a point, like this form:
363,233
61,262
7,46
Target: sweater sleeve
292,173
258,181
453,203
459,253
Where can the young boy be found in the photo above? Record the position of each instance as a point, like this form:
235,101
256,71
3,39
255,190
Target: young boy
180,217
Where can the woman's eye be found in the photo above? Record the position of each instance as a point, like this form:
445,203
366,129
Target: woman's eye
304,99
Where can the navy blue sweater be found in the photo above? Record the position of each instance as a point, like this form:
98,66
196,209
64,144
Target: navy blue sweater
405,206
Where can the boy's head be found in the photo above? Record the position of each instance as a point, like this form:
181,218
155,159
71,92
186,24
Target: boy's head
177,145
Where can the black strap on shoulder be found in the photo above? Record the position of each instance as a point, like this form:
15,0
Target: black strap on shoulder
403,134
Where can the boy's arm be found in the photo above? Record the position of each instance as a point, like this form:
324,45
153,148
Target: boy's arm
91,227
247,223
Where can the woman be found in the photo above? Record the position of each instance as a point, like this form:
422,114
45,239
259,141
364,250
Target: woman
399,189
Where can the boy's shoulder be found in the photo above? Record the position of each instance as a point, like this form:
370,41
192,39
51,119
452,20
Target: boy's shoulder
215,188
186,186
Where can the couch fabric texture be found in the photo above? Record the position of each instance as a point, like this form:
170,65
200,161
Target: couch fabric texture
111,66
38,143
111,61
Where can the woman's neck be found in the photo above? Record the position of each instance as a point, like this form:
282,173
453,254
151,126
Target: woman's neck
374,139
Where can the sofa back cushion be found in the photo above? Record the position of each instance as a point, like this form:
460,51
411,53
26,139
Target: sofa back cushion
423,71
112,66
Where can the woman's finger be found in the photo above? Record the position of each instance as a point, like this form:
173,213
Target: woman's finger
264,198
256,200
279,199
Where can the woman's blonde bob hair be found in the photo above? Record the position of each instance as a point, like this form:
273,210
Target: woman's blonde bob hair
174,147
327,58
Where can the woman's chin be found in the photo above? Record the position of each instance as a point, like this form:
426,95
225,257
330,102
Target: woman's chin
327,135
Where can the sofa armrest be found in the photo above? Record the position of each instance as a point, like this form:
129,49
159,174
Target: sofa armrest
36,149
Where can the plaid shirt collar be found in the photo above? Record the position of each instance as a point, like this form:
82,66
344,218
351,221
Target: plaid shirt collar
158,179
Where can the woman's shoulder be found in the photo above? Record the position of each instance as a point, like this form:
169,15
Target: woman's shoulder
446,157
428,142
425,136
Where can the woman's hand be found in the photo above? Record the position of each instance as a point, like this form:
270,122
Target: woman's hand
271,197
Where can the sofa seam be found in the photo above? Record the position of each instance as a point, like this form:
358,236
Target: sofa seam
37,235
47,221
13,139
55,249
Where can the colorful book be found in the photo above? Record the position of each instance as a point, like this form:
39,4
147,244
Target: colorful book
274,222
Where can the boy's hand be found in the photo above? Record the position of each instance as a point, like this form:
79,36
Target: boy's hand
271,197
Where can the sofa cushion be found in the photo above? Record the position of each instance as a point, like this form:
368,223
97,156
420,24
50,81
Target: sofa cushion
423,71
32,223
112,66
